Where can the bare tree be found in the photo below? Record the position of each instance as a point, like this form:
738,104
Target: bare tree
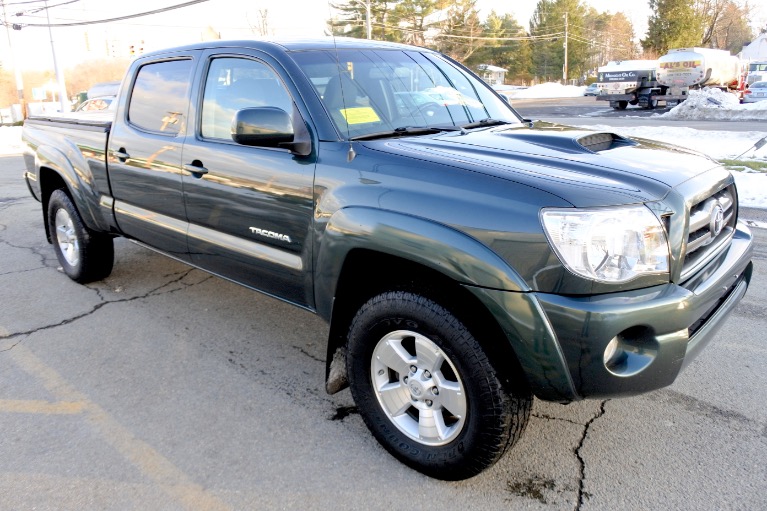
261,26
732,30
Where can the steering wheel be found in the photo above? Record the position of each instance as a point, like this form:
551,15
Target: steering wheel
431,109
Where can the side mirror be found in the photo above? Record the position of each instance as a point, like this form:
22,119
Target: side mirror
262,127
270,127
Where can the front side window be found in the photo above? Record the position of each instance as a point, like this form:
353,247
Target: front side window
372,91
236,83
160,96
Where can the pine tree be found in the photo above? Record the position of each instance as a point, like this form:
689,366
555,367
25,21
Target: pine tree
353,16
513,55
413,18
554,24
673,24
461,30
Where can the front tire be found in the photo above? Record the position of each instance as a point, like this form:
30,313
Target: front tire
619,105
427,391
85,256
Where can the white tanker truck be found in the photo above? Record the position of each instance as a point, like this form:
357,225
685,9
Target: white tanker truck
628,82
685,69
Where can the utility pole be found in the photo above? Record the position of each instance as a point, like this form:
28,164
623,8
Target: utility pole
63,99
564,69
368,24
15,64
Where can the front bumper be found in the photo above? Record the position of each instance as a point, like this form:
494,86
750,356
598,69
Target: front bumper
658,330
560,341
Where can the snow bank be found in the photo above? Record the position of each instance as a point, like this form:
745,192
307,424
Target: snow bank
752,189
10,140
713,104
548,90
716,144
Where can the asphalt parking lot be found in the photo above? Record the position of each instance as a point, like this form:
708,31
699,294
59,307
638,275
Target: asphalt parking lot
162,387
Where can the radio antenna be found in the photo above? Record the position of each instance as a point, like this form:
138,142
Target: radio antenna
351,154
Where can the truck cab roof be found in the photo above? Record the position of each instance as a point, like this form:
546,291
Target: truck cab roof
294,44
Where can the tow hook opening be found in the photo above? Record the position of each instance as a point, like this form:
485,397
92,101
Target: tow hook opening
630,352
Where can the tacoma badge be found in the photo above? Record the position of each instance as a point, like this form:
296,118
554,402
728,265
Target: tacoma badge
271,234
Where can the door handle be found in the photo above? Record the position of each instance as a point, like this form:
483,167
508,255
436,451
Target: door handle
121,155
195,168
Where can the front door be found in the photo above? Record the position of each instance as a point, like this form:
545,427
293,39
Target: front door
249,208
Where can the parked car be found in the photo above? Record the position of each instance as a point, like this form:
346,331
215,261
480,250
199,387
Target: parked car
591,90
757,91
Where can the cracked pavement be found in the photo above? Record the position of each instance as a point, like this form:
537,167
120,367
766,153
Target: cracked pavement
162,387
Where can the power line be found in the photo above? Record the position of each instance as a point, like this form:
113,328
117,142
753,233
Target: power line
119,18
46,7
24,3
456,36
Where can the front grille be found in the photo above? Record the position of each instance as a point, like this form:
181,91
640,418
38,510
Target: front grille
710,312
712,225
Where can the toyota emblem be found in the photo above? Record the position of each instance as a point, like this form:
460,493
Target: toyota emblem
717,220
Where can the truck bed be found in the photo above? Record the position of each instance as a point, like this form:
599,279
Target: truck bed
73,146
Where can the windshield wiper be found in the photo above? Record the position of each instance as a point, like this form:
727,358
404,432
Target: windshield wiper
405,131
483,123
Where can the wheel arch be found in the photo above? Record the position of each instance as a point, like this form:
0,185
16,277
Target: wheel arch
390,251
56,171
50,181
424,242
397,274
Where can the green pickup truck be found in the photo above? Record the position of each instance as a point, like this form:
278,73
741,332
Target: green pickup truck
465,258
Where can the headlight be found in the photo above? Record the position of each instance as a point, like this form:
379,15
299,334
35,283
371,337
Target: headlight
608,244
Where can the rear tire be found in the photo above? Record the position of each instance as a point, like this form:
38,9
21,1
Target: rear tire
84,255
647,103
426,389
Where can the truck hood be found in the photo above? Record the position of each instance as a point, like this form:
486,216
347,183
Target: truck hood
585,168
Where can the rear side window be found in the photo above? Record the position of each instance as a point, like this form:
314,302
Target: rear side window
159,99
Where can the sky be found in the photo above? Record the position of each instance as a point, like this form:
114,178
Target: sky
230,18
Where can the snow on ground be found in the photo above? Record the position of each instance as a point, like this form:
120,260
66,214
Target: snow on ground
720,145
716,144
713,104
706,105
10,140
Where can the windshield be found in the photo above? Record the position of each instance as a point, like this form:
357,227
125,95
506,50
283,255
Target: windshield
367,92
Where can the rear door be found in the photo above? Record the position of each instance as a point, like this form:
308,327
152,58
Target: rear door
249,208
144,154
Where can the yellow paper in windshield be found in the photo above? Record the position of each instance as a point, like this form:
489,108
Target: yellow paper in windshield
360,115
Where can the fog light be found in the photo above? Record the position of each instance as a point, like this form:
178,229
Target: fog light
612,352
631,351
